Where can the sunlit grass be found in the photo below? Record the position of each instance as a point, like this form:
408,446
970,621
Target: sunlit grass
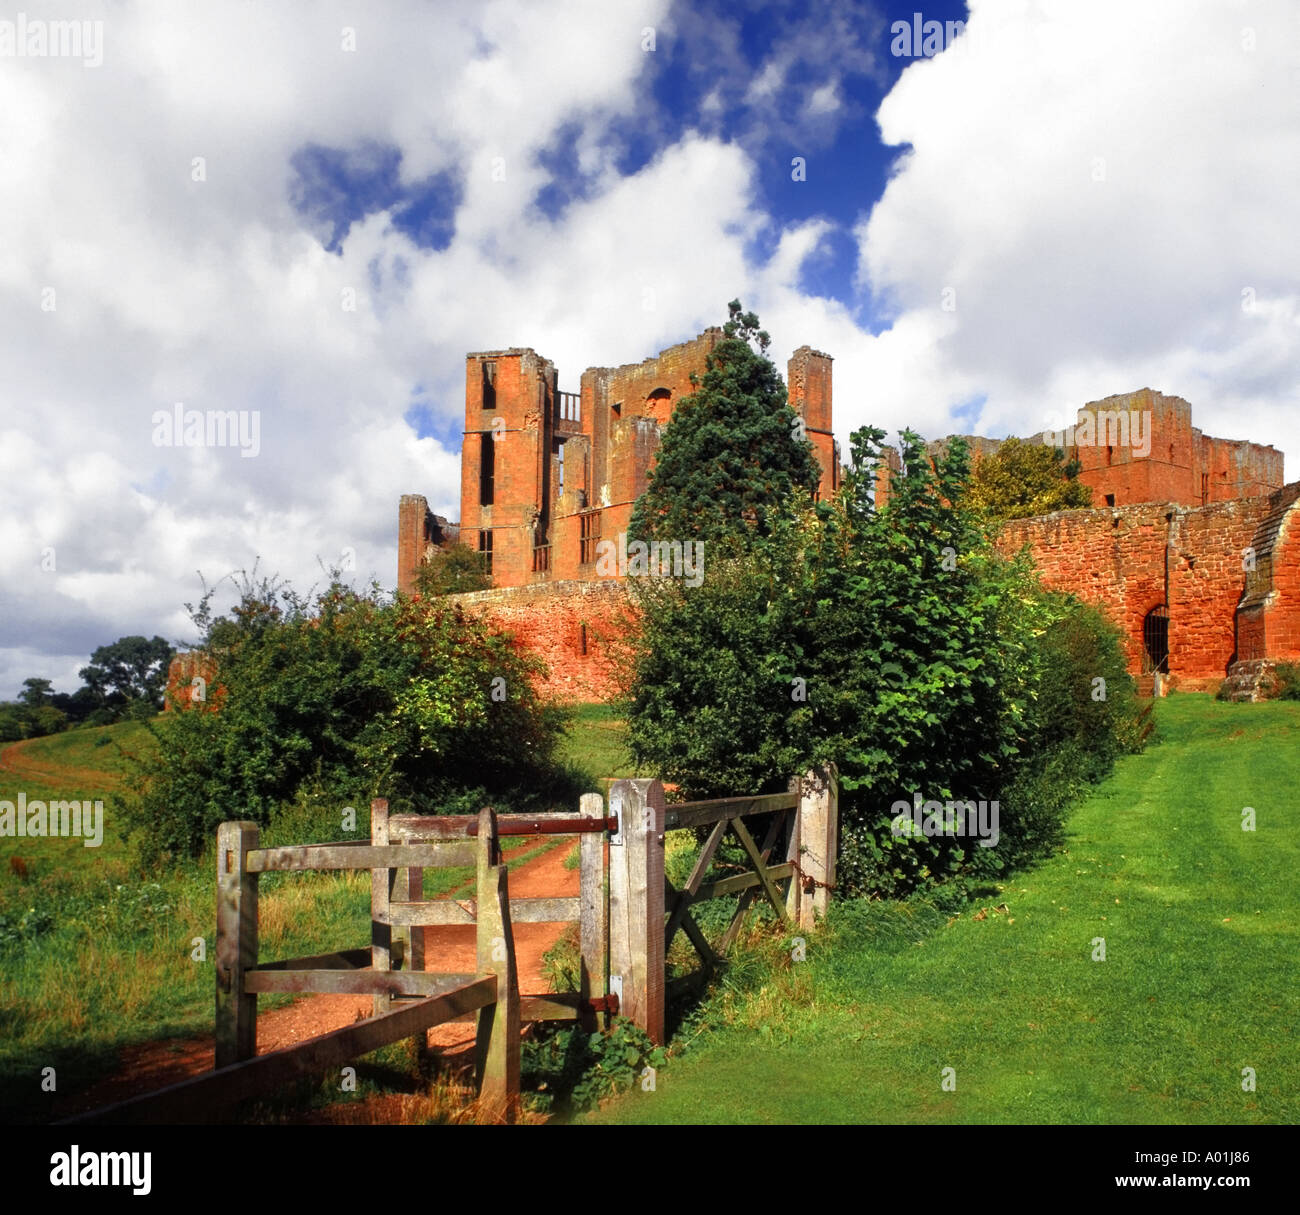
1200,928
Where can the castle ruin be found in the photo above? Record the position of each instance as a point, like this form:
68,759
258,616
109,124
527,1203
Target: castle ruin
1193,546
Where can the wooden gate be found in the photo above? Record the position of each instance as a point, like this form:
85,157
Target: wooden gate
803,826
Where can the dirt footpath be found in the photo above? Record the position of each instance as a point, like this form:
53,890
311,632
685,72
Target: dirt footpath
448,948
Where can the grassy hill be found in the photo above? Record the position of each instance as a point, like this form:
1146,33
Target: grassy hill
77,764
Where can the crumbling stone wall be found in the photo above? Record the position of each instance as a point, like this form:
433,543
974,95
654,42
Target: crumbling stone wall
1129,560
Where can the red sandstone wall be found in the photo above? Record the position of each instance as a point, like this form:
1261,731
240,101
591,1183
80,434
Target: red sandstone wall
521,458
556,621
1282,615
630,387
808,378
1115,559
1206,584
1166,474
1118,558
411,514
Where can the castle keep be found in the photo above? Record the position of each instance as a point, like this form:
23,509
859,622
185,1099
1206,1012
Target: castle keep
1192,546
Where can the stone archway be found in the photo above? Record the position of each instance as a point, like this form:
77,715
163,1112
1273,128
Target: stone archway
659,405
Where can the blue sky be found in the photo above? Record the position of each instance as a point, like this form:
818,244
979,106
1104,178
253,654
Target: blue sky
696,79
311,211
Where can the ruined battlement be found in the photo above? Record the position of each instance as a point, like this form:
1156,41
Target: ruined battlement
1142,447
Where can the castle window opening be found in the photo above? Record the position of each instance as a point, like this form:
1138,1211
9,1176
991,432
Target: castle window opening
487,464
485,547
582,639
1110,499
589,526
489,385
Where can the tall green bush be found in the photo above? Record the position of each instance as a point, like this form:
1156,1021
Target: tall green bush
897,643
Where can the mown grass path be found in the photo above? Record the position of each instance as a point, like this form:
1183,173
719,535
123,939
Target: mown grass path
1199,981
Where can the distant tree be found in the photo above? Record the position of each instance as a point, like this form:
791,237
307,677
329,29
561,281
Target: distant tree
733,456
1022,479
132,668
81,705
11,722
452,570
36,692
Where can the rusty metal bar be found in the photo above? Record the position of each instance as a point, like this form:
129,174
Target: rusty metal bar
456,826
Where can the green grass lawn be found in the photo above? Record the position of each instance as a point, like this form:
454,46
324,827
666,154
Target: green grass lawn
75,765
597,743
1199,980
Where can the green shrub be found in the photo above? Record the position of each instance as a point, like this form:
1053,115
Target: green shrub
451,571
566,1068
322,704
1286,676
898,644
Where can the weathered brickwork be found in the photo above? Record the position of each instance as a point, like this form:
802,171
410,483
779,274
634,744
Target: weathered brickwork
1142,447
577,628
1193,564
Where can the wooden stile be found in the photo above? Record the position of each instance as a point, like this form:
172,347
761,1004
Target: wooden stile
636,902
593,912
818,842
381,887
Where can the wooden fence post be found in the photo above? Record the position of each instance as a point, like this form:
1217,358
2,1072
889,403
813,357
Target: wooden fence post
818,841
636,902
381,886
236,946
498,1031
594,908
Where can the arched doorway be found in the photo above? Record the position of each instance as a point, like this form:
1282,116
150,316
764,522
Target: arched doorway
1155,641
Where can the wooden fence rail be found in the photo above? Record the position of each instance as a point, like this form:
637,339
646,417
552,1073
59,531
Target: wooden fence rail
491,994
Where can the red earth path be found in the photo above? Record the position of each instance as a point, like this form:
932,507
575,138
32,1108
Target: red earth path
147,1066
